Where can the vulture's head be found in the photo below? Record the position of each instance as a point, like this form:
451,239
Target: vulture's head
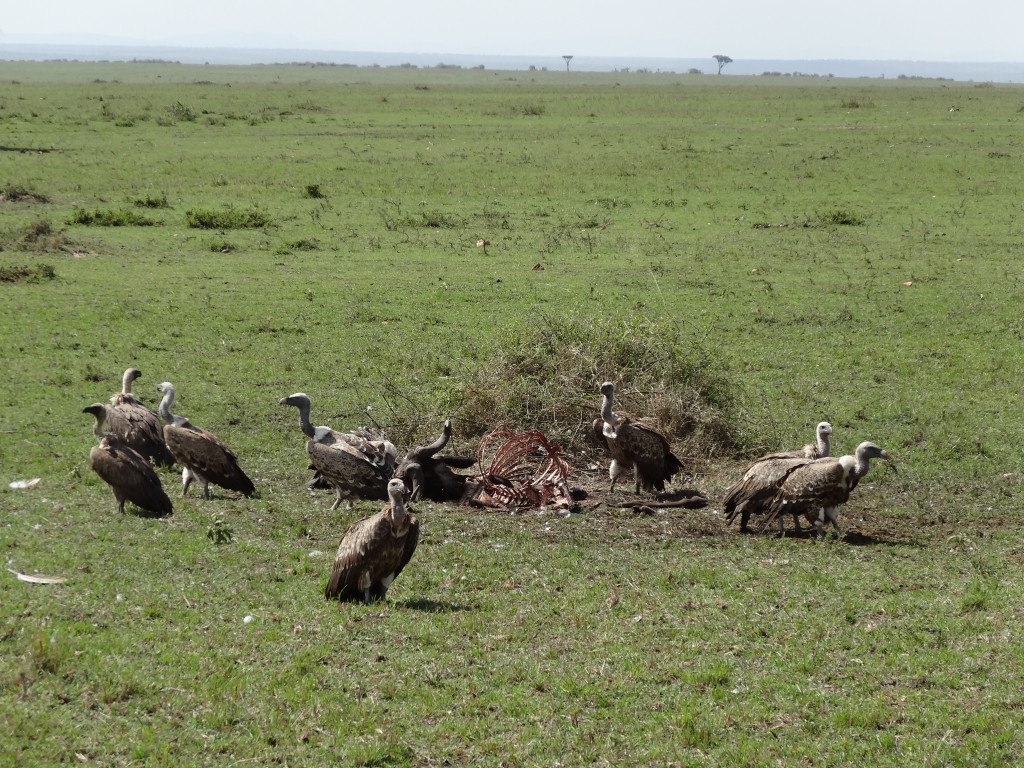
99,410
607,389
130,375
868,450
824,429
299,400
396,493
166,390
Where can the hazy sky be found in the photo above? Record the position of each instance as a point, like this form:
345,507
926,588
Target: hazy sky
935,30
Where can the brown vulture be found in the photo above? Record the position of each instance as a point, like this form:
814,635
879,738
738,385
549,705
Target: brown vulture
817,488
204,457
137,425
748,495
632,443
354,465
130,476
374,550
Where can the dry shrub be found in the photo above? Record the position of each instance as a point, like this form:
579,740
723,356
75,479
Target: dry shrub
21,273
14,193
38,236
545,375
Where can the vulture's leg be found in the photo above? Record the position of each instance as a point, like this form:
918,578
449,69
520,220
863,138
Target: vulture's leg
819,525
186,480
832,513
337,499
636,477
364,585
613,472
796,523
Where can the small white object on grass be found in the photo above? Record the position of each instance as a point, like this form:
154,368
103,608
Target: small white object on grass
37,579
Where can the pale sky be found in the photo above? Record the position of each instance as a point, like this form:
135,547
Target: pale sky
926,30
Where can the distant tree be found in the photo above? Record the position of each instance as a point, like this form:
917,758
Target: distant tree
722,61
567,60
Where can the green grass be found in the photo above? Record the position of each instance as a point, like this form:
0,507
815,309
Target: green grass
752,255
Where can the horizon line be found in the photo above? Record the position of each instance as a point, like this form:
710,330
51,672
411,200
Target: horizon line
494,55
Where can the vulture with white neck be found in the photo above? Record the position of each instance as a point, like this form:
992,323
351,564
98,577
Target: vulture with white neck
634,444
204,457
355,466
136,424
130,476
751,492
817,488
373,551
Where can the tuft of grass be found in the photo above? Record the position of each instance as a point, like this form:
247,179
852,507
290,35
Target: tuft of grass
37,273
715,675
13,193
305,244
46,654
116,218
149,201
229,218
529,110
841,217
38,236
218,531
980,594
314,192
182,112
427,219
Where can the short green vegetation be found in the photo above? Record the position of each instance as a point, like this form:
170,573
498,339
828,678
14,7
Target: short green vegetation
226,219
126,217
744,257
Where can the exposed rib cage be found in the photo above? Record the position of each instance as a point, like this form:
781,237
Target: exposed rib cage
525,470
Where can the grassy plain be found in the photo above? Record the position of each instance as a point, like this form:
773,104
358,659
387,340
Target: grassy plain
837,249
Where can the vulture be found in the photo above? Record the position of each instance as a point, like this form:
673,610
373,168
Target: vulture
426,474
130,476
374,550
630,442
360,437
752,493
204,457
355,466
821,447
747,496
137,425
816,488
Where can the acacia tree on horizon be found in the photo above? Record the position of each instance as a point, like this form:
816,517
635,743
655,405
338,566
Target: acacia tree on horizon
722,61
